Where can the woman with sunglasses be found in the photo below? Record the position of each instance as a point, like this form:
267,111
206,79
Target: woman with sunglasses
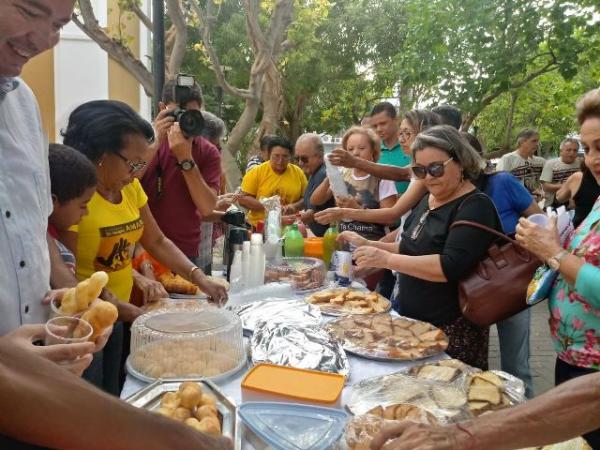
116,139
432,257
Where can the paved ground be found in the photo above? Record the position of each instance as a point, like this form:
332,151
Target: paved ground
542,352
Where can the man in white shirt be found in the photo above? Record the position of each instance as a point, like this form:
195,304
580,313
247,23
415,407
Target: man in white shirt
557,170
524,164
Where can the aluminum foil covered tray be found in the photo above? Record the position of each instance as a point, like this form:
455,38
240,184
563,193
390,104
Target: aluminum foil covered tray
303,347
286,311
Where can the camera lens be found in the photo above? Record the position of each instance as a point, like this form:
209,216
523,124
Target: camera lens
191,122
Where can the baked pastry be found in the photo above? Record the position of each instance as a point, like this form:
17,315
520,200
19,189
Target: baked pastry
175,284
100,316
385,336
349,301
79,298
193,407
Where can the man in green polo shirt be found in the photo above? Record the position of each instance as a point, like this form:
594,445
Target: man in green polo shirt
394,162
384,122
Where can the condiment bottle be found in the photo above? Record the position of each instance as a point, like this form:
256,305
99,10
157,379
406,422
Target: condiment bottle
330,244
293,244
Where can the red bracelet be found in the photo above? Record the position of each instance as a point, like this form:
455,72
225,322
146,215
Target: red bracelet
471,437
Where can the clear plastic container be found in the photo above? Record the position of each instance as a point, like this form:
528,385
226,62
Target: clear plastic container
304,274
288,426
196,342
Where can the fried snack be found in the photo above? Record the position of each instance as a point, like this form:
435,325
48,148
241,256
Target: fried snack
384,336
349,301
100,316
205,411
190,397
170,400
181,414
193,407
210,425
167,412
78,298
175,284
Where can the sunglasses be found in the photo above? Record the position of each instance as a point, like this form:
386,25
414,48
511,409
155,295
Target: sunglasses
133,166
435,169
303,159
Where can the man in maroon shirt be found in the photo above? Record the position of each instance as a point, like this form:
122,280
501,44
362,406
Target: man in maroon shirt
183,178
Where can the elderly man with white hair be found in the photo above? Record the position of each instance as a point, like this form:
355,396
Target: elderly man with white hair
310,155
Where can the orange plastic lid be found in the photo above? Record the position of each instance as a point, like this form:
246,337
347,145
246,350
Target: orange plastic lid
302,384
313,247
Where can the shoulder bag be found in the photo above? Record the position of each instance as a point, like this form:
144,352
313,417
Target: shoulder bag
497,288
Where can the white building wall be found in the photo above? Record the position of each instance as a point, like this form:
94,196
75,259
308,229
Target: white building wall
80,69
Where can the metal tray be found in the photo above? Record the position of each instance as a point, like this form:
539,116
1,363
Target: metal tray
189,296
149,398
215,379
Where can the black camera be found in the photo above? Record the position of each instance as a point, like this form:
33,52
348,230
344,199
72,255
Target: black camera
191,122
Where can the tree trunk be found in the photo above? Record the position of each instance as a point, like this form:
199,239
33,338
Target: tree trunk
232,171
272,104
243,126
509,121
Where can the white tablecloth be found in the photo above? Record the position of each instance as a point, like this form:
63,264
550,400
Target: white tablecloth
360,369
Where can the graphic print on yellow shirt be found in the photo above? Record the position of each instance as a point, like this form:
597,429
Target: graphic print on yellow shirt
116,244
106,236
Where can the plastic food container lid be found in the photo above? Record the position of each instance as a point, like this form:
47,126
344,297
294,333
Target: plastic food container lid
301,384
290,426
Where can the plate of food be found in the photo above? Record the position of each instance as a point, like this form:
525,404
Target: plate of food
387,338
198,404
342,301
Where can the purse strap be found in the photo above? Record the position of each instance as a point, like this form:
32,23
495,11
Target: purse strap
496,233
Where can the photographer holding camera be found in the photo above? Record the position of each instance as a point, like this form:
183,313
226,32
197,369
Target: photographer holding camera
183,178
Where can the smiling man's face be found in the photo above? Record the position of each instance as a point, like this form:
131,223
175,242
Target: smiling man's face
27,28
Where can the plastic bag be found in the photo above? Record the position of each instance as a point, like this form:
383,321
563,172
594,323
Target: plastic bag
272,233
336,181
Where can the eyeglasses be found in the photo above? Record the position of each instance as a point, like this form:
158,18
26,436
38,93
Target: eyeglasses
133,166
435,169
303,159
406,134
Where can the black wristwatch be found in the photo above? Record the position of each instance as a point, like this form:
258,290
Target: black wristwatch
186,164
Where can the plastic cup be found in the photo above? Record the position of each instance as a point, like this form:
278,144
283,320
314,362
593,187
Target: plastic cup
61,330
540,219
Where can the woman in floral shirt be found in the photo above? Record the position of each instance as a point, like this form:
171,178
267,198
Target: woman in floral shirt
574,301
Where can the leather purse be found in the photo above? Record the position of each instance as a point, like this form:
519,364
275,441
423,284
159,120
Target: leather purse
497,288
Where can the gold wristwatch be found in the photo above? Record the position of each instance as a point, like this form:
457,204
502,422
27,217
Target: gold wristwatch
554,262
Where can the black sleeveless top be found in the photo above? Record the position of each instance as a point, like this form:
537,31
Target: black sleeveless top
586,196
